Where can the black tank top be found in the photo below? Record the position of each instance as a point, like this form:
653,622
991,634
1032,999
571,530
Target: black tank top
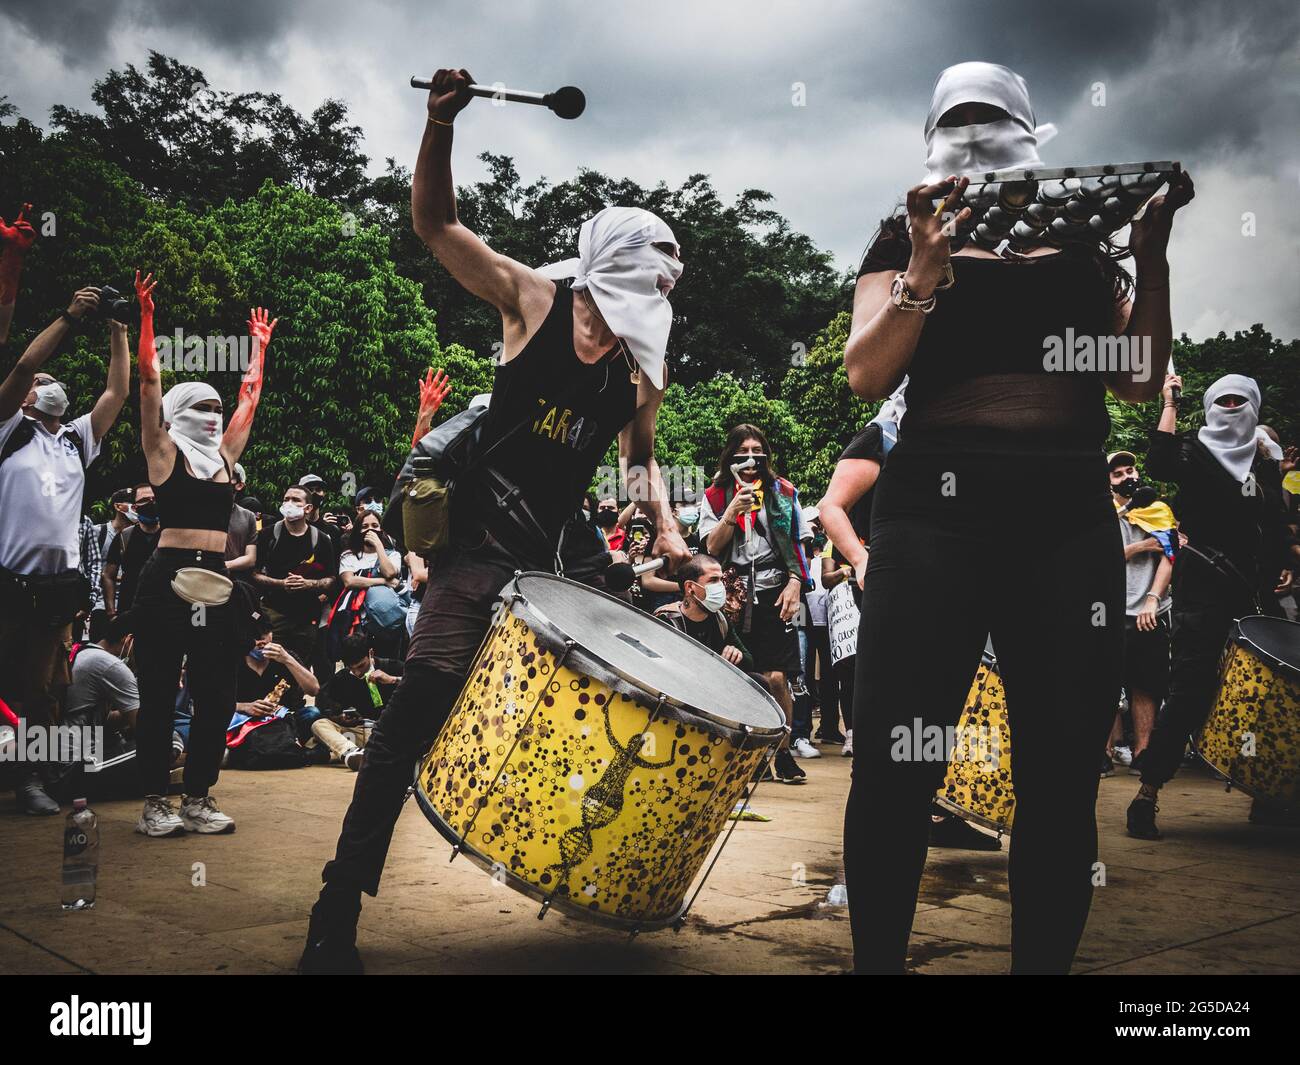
574,411
979,363
187,502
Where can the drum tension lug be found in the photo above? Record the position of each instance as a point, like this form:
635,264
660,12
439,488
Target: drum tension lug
546,905
455,850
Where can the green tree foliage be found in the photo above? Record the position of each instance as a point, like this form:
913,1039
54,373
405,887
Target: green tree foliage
167,128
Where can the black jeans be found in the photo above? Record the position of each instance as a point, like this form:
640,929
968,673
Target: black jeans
828,689
167,631
454,617
953,559
1202,616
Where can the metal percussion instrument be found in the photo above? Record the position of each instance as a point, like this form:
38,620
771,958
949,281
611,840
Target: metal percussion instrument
1052,207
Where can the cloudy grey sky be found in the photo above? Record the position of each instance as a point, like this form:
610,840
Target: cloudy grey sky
679,88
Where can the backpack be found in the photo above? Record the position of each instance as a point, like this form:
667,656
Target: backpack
25,432
267,745
278,528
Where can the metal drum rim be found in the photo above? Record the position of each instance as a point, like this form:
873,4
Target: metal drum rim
513,595
529,889
971,815
1240,639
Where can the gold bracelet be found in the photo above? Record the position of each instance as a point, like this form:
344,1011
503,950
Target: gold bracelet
439,122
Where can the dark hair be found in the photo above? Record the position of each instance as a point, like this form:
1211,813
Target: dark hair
891,249
352,649
259,623
738,435
122,495
693,568
114,629
357,537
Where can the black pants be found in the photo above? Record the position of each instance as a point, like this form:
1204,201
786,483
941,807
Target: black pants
167,631
454,616
1202,617
843,672
951,561
828,689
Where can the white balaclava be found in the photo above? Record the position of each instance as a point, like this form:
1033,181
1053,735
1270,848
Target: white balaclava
51,399
619,264
197,433
1231,435
1002,145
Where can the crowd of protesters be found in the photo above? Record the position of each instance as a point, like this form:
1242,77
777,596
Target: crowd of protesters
292,663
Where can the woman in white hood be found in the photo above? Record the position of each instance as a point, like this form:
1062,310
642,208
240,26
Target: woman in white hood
994,504
183,609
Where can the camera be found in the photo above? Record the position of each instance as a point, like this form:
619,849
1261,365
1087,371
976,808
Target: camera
112,304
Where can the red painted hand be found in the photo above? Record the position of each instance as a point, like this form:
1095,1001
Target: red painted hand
20,236
260,326
144,293
433,390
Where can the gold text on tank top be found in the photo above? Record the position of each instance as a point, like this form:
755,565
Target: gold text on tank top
559,424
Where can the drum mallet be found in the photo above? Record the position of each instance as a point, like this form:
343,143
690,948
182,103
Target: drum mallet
568,101
620,576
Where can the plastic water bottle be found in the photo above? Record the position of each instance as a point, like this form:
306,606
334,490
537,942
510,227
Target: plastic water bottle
80,857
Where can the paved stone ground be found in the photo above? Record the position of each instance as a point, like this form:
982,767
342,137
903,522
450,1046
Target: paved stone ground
1216,896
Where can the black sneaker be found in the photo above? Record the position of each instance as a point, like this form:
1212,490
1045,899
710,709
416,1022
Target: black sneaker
1107,766
787,769
1142,819
331,948
1276,815
952,831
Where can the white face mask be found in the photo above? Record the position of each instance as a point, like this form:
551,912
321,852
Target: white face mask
688,516
975,149
51,399
292,511
715,597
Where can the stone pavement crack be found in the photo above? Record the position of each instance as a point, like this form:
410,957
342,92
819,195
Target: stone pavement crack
41,946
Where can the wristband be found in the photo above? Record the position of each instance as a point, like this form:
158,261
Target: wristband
73,323
439,122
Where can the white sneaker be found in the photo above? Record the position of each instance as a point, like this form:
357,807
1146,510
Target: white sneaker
1124,755
202,815
847,749
159,818
354,758
803,749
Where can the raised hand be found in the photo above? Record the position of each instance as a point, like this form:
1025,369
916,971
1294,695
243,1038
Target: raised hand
20,236
144,293
931,233
261,326
1149,235
433,390
450,94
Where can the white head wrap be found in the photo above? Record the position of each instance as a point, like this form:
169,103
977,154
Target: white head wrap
196,433
1001,145
618,263
1231,434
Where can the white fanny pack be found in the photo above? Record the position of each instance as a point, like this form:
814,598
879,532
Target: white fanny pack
197,585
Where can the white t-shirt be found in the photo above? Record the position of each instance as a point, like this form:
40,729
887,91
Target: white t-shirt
351,561
817,597
41,486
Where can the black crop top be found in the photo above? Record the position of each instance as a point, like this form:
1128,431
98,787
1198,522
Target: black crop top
188,502
979,362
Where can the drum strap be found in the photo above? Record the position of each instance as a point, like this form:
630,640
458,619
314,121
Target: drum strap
1224,565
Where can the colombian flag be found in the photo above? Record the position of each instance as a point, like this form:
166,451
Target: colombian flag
1158,520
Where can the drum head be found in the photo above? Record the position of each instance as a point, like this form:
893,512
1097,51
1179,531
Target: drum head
1274,639
649,652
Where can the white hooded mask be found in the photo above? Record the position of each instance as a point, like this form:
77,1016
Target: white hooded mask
975,149
1231,435
624,272
196,433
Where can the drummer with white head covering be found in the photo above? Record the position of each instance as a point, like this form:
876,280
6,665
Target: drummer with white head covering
1231,510
582,364
183,609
